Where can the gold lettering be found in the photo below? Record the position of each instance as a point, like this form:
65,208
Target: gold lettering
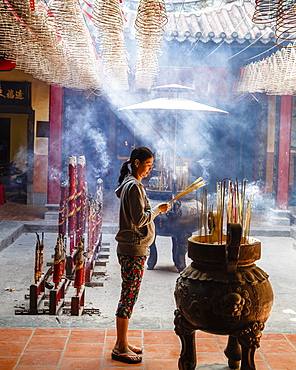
19,95
10,94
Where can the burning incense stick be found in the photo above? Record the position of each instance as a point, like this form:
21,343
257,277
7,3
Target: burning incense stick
198,183
248,220
231,207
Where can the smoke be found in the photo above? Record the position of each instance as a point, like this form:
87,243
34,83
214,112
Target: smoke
215,146
97,140
203,140
204,165
20,158
88,137
255,193
54,174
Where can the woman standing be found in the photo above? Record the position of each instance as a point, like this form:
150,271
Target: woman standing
135,235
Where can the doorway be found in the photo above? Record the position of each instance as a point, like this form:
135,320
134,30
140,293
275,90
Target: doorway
16,156
4,141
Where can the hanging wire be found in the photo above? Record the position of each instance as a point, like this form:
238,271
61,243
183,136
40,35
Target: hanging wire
247,47
212,52
180,11
264,52
207,27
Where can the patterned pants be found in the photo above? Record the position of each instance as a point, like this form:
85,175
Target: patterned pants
132,270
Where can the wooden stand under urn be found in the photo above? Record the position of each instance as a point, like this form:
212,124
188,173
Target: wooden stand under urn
223,292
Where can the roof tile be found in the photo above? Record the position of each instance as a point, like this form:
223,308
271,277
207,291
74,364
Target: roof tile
234,19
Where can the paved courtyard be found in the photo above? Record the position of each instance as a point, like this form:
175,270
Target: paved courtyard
155,307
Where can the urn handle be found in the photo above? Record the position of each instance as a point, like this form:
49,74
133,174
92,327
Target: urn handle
232,249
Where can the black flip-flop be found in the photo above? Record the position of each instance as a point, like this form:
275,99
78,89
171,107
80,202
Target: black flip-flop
138,351
126,357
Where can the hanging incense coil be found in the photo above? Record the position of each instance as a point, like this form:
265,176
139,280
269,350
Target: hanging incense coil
26,35
275,75
53,44
266,11
242,83
271,83
108,19
286,22
150,22
285,87
257,80
262,76
250,77
290,68
77,44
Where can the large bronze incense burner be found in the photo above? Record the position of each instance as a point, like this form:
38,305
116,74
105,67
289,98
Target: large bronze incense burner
223,292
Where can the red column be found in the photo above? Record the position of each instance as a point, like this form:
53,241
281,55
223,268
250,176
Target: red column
282,196
55,144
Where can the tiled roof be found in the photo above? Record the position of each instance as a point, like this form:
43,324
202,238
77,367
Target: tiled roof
195,20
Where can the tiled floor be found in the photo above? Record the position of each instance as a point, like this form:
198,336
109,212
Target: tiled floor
70,349
13,211
89,349
21,212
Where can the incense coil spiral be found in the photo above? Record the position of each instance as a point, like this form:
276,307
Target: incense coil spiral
151,16
256,81
109,22
51,44
275,75
250,71
24,41
286,22
285,86
76,45
290,69
266,11
242,83
150,22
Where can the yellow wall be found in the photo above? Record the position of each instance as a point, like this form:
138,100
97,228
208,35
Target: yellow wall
40,104
40,92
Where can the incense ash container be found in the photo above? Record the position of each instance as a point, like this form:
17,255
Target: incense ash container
223,292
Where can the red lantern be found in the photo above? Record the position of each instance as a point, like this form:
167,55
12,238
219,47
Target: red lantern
6,65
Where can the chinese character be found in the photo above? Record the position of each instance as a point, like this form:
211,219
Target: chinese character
10,94
19,95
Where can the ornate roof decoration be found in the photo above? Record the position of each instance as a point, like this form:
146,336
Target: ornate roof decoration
205,20
230,22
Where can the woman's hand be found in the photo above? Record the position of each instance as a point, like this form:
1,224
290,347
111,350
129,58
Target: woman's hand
163,207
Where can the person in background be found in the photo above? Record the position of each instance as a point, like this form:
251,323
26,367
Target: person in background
135,235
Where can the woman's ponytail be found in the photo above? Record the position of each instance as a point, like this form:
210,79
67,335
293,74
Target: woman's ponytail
124,171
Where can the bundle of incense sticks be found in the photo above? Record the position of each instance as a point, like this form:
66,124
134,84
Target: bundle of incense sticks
231,207
198,183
